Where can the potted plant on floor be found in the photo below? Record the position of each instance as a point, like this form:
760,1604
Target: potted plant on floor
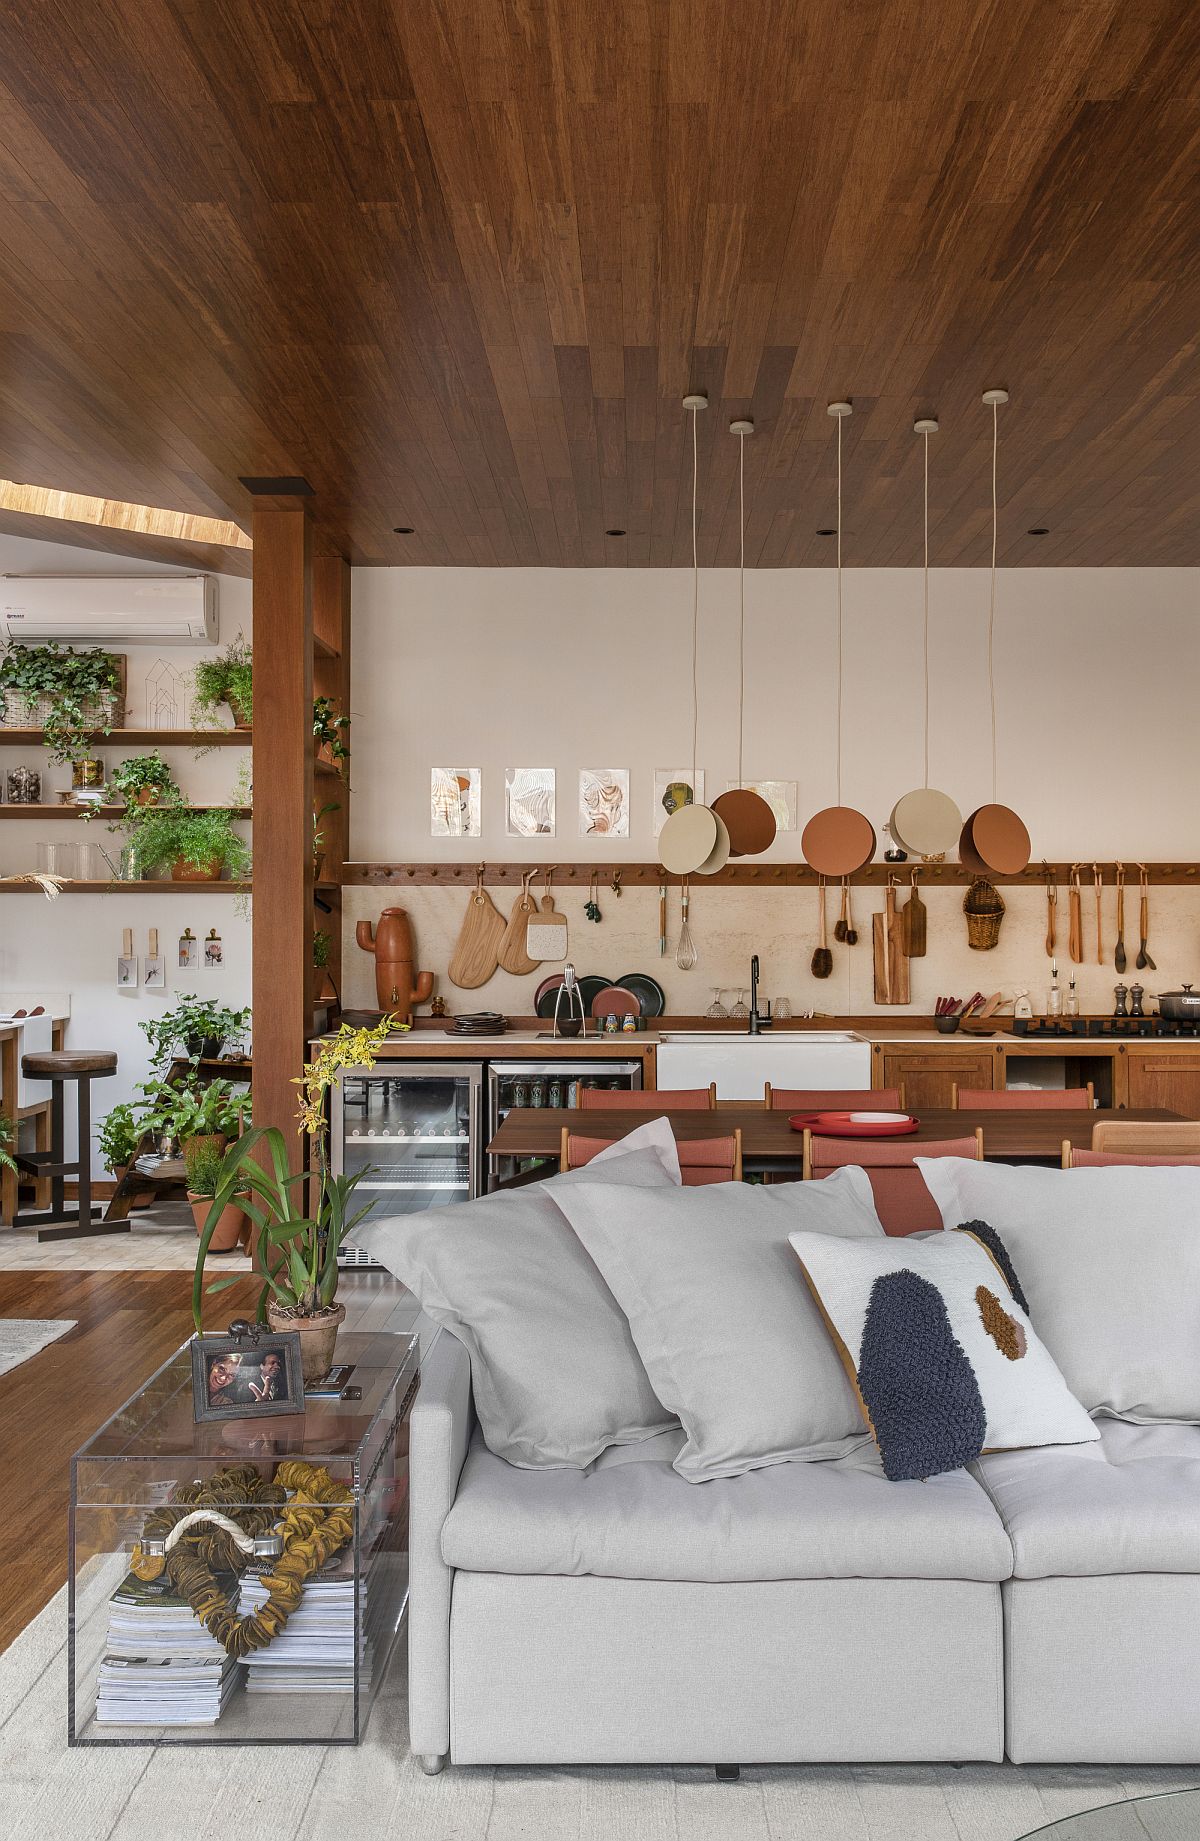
143,779
68,695
118,1135
198,846
226,679
200,1118
297,1249
203,1179
195,1028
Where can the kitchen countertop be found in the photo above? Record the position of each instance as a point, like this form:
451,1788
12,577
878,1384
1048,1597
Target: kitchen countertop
435,1044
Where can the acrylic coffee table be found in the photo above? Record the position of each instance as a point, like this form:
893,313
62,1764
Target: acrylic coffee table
1173,1815
319,1685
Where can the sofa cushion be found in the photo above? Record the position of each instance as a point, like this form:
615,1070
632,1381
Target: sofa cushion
554,1371
1110,1262
637,1518
1130,1504
731,1340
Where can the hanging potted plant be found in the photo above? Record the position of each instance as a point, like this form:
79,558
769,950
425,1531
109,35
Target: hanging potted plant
196,845
329,728
143,779
226,679
297,1247
68,695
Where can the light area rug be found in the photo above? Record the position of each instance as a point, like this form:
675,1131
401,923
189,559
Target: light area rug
376,1790
21,1337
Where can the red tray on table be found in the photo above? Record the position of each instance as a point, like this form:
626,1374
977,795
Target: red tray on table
855,1125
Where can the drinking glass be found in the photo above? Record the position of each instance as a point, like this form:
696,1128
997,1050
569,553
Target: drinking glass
57,858
716,1008
741,1008
783,1009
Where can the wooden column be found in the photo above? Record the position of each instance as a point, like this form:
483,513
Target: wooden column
283,807
331,678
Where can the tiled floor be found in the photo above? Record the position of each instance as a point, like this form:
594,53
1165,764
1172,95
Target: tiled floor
161,1239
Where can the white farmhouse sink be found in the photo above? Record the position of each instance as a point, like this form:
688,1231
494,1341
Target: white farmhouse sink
740,1064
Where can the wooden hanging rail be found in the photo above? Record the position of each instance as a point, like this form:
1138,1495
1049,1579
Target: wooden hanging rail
734,875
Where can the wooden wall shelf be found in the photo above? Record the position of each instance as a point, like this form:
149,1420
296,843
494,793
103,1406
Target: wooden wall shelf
741,875
139,738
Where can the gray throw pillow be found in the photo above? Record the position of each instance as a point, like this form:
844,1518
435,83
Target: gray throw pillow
731,1337
554,1371
1109,1259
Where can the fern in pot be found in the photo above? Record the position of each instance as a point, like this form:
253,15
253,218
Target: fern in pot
203,1180
301,1217
198,846
226,679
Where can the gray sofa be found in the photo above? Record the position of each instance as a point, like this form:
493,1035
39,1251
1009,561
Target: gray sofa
1043,1605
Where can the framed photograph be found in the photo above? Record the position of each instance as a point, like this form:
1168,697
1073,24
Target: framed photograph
529,802
675,787
240,1377
604,802
780,795
454,803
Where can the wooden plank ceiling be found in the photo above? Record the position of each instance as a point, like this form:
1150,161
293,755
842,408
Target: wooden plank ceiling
457,262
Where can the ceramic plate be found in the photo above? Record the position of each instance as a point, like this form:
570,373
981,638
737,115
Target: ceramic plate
647,990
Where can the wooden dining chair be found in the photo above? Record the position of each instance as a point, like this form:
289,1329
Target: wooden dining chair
642,1099
902,1199
833,1099
1137,1141
1028,1099
701,1160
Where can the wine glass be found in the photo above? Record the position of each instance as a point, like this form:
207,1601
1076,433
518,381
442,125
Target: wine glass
740,1009
716,1008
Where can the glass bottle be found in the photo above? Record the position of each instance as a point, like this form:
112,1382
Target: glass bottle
1054,996
1072,999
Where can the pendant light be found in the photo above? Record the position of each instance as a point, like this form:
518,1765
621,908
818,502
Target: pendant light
694,841
838,841
745,814
994,838
926,822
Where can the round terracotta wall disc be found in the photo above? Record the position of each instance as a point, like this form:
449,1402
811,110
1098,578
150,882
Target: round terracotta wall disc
687,838
999,837
926,823
837,841
718,856
748,819
968,856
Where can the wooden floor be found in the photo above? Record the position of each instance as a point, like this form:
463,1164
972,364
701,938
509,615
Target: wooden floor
126,1324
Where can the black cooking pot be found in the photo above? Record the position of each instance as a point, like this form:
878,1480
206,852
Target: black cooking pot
1180,1006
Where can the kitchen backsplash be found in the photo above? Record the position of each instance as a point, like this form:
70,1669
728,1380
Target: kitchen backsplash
729,924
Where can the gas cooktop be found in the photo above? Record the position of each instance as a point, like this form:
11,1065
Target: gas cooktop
1126,1028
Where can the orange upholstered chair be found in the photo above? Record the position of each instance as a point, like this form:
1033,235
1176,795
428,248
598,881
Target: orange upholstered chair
1137,1141
701,1160
833,1099
1031,1099
682,1099
902,1198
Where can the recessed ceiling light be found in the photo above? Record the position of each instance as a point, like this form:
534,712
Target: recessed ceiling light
829,530
614,532
1038,530
403,530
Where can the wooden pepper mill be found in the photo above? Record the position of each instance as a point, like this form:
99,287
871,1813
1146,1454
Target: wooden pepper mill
390,939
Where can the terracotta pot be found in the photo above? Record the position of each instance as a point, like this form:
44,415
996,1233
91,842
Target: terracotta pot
241,718
217,1139
147,795
317,1336
318,865
228,1231
182,871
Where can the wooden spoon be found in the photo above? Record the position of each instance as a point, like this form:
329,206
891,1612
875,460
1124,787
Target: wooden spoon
1119,955
1075,913
1098,878
1144,962
1051,915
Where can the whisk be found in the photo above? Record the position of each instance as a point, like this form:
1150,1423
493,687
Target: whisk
685,952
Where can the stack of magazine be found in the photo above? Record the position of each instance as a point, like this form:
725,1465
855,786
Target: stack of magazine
160,1665
314,1652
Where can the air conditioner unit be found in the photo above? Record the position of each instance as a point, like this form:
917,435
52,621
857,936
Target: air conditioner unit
103,610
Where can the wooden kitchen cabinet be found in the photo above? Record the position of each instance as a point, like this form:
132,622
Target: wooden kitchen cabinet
928,1076
1170,1078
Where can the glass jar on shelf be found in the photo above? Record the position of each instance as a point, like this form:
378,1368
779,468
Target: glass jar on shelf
24,786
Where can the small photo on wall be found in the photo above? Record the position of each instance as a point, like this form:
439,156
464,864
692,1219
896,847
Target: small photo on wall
604,802
529,801
780,795
675,787
454,802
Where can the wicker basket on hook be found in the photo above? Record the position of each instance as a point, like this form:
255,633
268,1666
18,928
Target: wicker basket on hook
983,906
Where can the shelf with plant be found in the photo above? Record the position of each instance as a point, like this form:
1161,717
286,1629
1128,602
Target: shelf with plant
195,844
194,1029
194,1114
330,728
226,681
69,696
144,779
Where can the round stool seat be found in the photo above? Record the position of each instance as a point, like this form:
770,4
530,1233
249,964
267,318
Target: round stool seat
68,1064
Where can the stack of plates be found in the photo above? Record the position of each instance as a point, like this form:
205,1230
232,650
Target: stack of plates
479,1023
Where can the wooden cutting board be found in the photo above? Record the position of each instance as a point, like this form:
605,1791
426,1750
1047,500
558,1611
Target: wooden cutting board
546,932
890,960
477,953
512,955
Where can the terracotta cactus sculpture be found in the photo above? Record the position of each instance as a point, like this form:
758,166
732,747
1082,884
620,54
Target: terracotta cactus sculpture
390,939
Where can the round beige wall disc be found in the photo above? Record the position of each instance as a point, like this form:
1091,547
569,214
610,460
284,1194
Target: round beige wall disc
687,838
837,841
1000,838
718,856
926,823
748,819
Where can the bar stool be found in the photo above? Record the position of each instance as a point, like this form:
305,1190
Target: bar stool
58,1066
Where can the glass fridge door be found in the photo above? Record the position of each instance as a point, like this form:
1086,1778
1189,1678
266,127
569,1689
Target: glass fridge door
411,1131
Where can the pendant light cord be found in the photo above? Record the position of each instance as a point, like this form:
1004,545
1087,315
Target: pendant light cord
926,591
695,603
991,637
839,610
741,600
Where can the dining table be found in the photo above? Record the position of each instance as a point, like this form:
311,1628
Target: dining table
769,1141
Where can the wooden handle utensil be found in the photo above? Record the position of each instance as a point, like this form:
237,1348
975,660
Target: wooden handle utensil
1075,918
1051,915
1119,956
1098,877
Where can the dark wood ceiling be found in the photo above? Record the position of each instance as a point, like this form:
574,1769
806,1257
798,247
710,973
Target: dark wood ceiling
457,262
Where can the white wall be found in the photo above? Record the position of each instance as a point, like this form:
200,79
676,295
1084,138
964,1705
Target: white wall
1099,748
72,943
